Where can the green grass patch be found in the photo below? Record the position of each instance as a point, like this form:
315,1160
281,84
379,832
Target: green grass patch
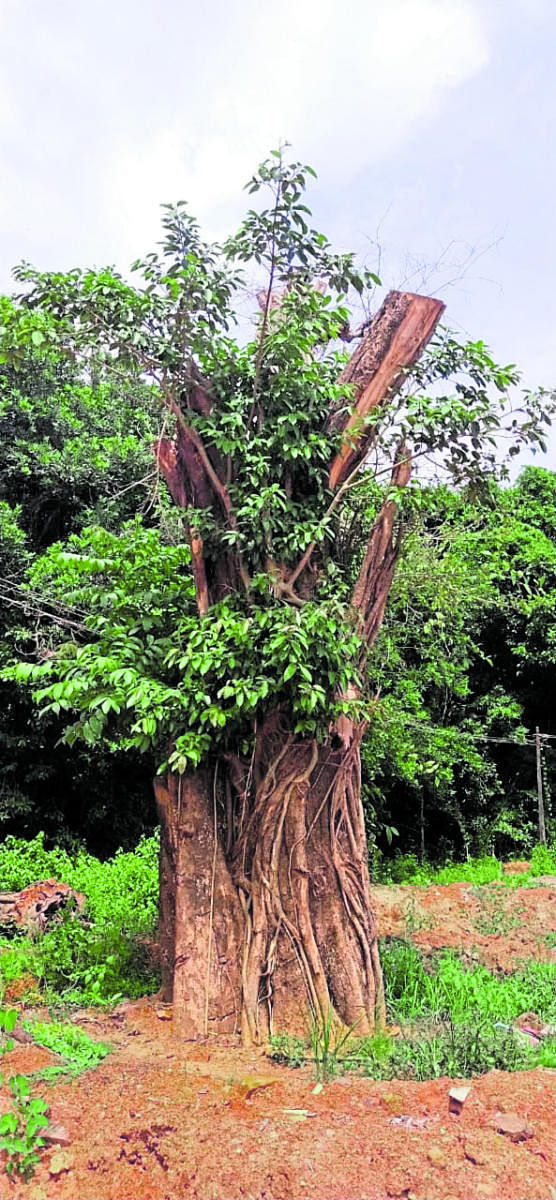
482,870
417,987
77,1050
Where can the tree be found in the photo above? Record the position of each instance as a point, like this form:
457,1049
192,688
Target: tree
75,448
465,669
243,652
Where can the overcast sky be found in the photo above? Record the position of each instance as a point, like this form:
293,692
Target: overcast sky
431,124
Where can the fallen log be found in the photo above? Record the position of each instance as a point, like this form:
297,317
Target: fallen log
37,904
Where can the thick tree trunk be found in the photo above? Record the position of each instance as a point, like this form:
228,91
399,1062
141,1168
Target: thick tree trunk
200,914
266,920
279,931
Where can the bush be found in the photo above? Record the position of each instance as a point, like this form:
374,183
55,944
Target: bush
543,860
102,958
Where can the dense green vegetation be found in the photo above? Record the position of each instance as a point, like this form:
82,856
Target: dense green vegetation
93,556
98,960
109,954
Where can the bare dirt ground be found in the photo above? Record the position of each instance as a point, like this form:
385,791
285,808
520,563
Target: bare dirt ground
492,925
207,1120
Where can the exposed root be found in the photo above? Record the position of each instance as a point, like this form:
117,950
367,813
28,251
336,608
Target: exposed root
299,863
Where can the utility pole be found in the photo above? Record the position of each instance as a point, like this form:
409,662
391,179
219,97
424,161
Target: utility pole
542,830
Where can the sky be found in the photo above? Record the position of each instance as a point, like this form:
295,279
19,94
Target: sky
430,123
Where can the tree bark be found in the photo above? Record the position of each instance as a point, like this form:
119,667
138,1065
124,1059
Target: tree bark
266,920
200,914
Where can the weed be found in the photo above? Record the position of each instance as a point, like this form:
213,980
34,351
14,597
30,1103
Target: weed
78,1051
328,1038
493,916
20,1128
288,1049
414,918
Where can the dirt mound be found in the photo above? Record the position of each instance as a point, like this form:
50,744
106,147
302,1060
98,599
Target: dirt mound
493,925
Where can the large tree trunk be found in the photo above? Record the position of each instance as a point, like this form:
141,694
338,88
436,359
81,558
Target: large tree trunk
279,931
266,920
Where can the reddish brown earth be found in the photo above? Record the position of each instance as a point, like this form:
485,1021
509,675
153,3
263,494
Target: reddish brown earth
492,925
160,1120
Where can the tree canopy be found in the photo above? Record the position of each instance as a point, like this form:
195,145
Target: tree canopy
96,558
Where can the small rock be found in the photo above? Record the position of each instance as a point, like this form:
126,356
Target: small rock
456,1099
514,1127
394,1103
56,1135
437,1157
61,1161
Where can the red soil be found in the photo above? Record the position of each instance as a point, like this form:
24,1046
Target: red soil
163,1120
496,926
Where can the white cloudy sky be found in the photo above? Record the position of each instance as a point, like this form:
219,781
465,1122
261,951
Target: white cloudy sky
431,124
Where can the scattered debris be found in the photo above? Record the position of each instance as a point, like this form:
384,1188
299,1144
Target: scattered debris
164,1014
255,1083
411,1122
56,1135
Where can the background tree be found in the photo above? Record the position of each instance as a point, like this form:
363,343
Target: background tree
75,448
243,652
465,667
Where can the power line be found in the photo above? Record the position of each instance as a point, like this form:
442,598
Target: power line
481,737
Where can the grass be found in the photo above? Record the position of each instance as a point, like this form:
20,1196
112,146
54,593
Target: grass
417,988
482,870
456,1021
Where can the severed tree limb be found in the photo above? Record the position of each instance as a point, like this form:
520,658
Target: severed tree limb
394,341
